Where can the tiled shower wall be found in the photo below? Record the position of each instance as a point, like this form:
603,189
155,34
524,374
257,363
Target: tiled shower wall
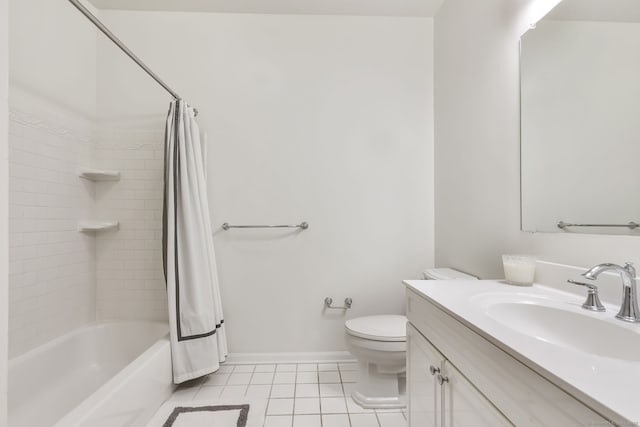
61,279
130,281
52,266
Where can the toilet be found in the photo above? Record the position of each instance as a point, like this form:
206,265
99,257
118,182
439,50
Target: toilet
380,345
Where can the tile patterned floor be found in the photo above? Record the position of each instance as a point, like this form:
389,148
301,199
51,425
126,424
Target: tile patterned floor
298,395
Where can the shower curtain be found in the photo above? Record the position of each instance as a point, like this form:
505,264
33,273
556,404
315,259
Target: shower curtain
197,332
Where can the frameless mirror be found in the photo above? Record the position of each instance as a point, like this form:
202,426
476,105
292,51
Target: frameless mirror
580,119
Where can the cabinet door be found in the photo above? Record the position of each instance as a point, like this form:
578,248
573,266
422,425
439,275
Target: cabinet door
464,406
423,389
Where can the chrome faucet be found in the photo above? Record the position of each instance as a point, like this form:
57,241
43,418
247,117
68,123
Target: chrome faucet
629,311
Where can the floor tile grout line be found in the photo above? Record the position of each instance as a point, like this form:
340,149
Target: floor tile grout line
344,395
295,392
319,397
253,372
195,396
295,384
378,419
264,415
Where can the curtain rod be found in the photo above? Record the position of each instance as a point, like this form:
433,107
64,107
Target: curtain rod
124,48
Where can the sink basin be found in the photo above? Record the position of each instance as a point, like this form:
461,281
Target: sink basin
570,329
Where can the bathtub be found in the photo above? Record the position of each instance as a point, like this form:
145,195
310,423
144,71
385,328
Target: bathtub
112,374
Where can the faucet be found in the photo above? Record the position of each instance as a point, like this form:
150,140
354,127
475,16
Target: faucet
629,311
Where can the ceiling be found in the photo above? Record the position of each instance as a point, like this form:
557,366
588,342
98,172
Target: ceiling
596,10
297,7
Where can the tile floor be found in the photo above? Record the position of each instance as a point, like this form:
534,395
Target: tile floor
298,395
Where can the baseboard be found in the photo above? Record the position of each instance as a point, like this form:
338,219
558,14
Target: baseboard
304,357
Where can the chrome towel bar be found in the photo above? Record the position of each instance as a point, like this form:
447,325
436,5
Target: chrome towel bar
302,225
631,225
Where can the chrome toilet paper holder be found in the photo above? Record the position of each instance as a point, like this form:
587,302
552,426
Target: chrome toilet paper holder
347,304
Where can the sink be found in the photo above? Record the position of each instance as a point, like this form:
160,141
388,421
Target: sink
566,327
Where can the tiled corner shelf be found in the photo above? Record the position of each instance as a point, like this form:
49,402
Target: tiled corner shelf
97,175
94,226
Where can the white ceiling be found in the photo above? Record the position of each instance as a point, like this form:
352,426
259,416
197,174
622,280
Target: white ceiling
597,10
302,7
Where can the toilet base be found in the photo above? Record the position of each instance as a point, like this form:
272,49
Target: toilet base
368,402
380,387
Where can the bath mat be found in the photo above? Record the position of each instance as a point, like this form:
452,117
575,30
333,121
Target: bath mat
218,413
231,415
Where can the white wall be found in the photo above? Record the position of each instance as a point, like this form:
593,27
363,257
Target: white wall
4,211
477,146
319,118
52,102
53,53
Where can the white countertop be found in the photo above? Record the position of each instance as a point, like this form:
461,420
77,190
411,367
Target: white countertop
609,386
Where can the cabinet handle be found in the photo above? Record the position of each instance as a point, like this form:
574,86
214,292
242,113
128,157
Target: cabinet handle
442,379
433,370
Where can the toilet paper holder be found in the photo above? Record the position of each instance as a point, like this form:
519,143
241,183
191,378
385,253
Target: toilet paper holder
347,303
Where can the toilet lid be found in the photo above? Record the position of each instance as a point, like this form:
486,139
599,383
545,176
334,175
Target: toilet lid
378,328
447,274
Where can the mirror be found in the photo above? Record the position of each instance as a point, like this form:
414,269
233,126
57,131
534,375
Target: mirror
580,119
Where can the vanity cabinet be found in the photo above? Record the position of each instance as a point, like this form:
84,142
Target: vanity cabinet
439,395
486,385
423,390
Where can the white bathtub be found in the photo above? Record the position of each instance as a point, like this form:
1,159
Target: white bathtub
111,374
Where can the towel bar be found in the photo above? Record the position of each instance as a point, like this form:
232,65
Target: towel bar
631,225
302,225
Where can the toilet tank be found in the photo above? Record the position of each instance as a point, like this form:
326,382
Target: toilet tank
446,274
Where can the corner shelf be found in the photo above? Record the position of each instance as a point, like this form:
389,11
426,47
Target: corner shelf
97,175
94,226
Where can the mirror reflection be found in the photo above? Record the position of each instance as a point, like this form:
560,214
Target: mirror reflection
580,105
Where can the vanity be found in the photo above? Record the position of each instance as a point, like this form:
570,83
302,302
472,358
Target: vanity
486,353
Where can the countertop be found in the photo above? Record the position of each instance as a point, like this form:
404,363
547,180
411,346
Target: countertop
608,385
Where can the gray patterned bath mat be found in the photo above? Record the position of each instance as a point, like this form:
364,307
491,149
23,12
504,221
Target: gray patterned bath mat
210,413
223,415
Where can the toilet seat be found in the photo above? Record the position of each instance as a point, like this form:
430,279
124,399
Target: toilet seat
386,328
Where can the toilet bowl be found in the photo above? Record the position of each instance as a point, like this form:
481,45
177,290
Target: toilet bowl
380,345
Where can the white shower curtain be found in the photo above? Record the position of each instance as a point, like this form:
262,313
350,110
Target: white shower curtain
197,332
